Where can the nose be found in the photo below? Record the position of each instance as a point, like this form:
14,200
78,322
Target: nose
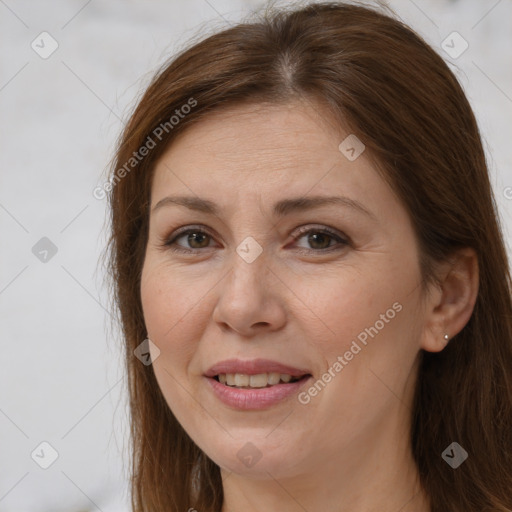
251,299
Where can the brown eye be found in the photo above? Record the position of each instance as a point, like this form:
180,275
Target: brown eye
320,239
195,239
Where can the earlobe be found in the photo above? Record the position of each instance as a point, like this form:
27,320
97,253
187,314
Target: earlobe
434,341
449,310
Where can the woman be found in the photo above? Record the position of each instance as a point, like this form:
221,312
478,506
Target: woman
306,247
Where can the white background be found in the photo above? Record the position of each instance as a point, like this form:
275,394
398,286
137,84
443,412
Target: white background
61,379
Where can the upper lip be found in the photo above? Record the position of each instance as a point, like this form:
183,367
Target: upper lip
253,367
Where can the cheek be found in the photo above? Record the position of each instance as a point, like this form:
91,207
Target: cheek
369,319
337,307
173,322
169,300
171,314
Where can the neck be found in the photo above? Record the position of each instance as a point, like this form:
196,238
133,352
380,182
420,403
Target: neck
373,473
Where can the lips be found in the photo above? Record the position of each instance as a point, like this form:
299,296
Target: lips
254,367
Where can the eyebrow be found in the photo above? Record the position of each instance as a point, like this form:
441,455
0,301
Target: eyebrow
280,209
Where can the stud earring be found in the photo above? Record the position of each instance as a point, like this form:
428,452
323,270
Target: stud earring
446,337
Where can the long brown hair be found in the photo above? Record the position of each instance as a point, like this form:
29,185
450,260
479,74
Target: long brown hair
395,93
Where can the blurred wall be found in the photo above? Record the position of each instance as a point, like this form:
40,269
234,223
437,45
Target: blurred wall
70,71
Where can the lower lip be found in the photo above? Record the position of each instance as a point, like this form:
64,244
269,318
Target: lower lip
258,398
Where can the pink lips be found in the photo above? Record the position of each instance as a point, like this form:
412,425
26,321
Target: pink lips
258,398
253,367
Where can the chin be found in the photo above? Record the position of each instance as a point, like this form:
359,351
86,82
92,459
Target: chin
260,461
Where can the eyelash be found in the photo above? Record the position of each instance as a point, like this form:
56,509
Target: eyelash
171,242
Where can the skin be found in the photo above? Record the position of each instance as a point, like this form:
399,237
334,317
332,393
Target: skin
298,303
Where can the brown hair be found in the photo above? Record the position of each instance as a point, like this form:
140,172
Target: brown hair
395,93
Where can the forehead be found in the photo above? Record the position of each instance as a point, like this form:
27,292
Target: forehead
270,151
256,134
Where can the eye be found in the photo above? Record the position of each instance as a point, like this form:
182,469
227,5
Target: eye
319,238
196,237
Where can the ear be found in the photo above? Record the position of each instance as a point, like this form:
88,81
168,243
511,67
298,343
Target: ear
449,307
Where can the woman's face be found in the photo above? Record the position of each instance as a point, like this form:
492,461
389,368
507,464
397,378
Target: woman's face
281,282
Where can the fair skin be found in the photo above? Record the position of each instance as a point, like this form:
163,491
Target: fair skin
300,303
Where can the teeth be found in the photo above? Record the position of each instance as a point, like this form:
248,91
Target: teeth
260,380
241,379
273,378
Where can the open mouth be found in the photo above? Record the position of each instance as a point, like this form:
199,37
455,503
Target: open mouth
258,381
